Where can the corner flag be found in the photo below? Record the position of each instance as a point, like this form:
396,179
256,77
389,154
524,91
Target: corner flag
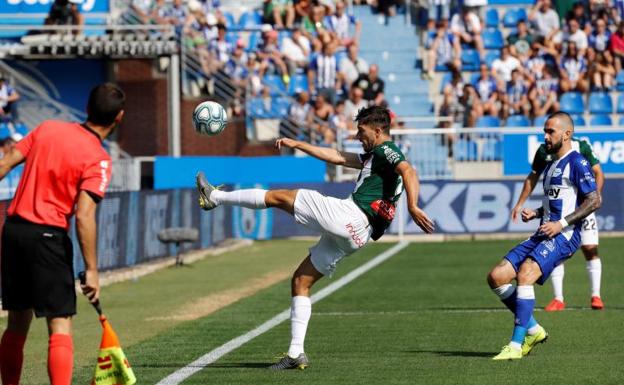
112,365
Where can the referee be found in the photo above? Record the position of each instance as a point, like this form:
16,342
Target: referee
66,172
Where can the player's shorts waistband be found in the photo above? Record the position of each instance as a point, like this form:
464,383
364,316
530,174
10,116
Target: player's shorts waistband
19,220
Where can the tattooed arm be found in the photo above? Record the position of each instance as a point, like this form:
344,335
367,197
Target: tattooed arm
590,204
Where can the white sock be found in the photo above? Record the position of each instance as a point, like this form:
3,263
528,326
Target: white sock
300,312
250,198
557,281
594,269
515,345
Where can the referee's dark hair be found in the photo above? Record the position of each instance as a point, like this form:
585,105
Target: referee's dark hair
105,102
375,116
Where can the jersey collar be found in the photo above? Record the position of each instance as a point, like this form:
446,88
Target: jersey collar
89,129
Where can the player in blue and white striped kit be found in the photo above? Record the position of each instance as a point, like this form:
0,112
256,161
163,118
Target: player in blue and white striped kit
570,195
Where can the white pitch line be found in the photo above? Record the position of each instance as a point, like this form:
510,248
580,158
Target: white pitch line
183,373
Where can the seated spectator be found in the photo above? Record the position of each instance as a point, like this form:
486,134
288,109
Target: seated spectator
487,91
573,71
65,12
577,36
372,86
269,55
339,24
520,41
616,46
502,67
303,10
451,107
236,66
352,66
174,14
443,50
8,96
534,65
438,11
601,70
516,101
467,27
220,49
544,93
354,104
323,75
280,13
321,118
579,13
296,51
471,104
546,22
141,10
299,114
599,39
340,122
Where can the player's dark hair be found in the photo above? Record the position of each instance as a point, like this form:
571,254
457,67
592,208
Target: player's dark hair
567,119
105,102
375,116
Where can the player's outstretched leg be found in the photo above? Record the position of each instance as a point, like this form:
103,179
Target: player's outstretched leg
300,312
556,276
211,197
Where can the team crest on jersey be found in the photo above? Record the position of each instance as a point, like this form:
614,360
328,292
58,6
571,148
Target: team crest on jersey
390,154
584,162
557,172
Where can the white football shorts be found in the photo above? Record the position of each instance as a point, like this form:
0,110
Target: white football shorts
589,230
343,226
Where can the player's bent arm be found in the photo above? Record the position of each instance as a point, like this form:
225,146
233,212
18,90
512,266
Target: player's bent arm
9,161
329,155
412,187
600,177
591,203
527,188
86,229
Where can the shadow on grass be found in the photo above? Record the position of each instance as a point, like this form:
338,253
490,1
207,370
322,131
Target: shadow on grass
247,365
454,353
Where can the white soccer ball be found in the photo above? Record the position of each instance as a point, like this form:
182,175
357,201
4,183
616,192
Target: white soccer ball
209,118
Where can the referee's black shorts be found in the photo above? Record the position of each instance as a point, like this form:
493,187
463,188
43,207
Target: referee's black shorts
37,269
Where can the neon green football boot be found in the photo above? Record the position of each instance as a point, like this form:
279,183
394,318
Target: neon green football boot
530,341
508,353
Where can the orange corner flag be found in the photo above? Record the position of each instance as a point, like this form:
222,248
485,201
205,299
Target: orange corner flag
112,367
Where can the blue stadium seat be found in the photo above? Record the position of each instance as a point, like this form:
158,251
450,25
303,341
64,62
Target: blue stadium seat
491,18
522,14
540,121
4,131
474,78
279,107
492,39
229,19
578,120
465,150
21,128
518,121
297,84
600,120
572,103
620,104
490,56
600,103
488,121
491,149
510,19
254,40
620,81
470,60
249,19
275,84
256,108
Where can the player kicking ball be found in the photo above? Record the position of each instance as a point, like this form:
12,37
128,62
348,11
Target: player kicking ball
589,226
570,194
346,225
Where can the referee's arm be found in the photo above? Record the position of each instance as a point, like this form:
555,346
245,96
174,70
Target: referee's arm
86,230
10,160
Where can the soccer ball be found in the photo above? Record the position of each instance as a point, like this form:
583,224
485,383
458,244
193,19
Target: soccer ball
209,118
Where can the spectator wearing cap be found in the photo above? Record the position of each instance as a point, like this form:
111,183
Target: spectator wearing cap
443,49
323,75
280,13
543,93
296,51
271,59
8,96
485,86
515,100
546,22
467,27
573,71
339,23
65,12
372,85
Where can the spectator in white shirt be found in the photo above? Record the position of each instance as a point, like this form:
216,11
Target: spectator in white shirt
467,27
546,21
296,50
502,68
355,103
352,66
577,35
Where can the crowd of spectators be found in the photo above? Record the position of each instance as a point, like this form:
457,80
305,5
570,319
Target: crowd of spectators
544,55
8,96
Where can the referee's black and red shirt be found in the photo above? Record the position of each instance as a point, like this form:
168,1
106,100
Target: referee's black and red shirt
62,158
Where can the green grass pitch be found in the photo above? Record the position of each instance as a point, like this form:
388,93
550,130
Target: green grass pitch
425,316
